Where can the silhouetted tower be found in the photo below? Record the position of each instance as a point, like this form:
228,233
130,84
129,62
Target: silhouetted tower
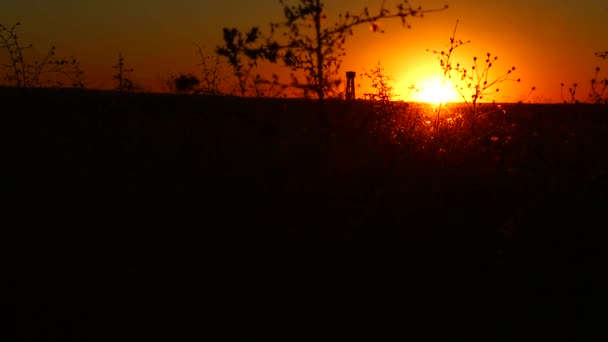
350,85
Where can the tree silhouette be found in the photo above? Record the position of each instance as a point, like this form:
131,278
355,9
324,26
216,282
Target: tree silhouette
316,48
241,53
307,44
23,73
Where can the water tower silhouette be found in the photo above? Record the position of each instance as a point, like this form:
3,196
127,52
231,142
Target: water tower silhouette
350,85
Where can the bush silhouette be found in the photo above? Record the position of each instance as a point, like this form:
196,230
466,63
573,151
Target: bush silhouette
186,83
22,72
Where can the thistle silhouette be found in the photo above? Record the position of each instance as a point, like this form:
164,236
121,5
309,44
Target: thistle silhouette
473,83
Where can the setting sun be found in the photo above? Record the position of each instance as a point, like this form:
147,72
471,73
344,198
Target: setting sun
436,91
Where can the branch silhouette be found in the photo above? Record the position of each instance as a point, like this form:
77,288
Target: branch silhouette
306,44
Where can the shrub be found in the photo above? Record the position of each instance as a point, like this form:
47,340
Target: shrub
186,83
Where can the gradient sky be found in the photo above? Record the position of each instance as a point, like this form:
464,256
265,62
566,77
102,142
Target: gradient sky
548,41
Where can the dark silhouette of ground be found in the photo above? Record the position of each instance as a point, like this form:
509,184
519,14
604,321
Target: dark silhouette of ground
190,217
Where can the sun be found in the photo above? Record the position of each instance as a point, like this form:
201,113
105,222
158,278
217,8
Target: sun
436,91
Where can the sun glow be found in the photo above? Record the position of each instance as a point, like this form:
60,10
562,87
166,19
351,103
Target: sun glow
436,91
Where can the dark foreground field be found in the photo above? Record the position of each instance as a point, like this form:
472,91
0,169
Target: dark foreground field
188,218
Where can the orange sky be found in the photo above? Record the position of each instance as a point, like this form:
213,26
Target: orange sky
549,42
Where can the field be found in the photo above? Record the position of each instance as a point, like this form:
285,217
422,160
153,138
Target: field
184,217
